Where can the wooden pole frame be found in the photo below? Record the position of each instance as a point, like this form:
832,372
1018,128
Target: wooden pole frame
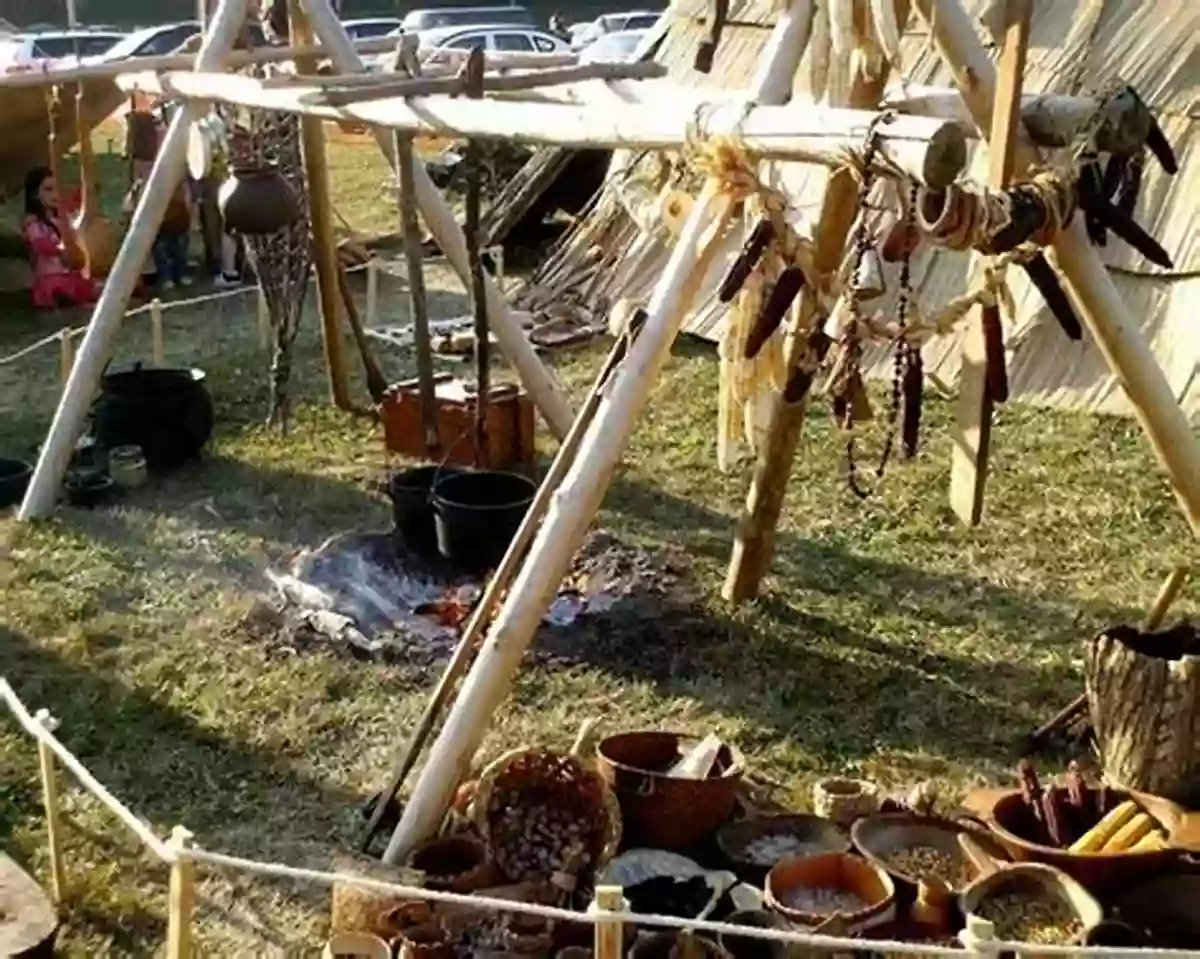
96,348
320,211
543,388
754,539
972,431
1106,315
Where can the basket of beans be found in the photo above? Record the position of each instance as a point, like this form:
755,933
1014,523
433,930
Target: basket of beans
1032,903
545,814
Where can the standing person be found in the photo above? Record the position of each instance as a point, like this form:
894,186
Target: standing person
171,244
43,229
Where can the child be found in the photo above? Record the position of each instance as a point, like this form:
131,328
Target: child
171,244
54,284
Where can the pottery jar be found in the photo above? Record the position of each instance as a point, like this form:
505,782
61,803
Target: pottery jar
257,200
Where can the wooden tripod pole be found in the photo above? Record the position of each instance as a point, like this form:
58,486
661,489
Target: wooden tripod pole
471,228
499,583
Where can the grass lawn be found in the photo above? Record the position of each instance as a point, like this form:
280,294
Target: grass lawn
890,641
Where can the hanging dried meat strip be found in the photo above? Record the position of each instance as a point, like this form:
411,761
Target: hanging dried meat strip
996,366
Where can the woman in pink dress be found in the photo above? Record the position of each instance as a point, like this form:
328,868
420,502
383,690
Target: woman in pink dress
54,284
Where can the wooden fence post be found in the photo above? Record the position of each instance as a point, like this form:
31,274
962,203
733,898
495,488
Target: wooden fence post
50,803
181,897
609,932
372,291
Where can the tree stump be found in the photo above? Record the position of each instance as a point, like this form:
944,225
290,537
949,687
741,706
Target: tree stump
1143,692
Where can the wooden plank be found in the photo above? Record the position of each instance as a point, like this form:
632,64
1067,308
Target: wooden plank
973,420
522,192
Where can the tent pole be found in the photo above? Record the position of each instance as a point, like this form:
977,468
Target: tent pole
754,542
96,348
565,524
1105,313
585,483
543,389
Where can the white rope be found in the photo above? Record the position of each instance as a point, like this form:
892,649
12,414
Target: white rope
73,331
813,940
39,732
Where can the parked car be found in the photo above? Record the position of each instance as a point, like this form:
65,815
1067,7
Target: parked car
616,47
582,35
57,49
418,21
371,28
500,37
149,42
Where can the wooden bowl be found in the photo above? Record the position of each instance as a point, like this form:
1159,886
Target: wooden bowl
881,836
1008,818
812,835
1037,881
840,871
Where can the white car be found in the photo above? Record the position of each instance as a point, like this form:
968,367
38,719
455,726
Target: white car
616,47
607,23
435,18
371,28
53,50
498,37
149,42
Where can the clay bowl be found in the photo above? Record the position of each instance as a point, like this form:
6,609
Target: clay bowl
795,835
883,835
1036,881
839,871
454,863
1009,822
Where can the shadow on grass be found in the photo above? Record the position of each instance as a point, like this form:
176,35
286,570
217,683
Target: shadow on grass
168,767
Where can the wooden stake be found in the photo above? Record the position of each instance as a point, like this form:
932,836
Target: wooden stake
973,423
66,355
418,301
473,76
562,531
96,348
181,899
609,934
264,320
158,349
320,210
372,291
58,875
498,585
1115,329
754,543
543,389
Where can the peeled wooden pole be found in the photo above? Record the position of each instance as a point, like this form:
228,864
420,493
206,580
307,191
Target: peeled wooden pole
1114,328
320,211
439,218
972,433
562,531
754,541
96,348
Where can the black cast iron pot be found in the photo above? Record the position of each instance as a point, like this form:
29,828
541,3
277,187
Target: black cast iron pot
167,412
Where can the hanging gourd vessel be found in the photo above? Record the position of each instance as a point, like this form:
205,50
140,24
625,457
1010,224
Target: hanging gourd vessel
257,200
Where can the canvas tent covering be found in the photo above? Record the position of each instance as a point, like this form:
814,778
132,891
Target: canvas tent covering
1078,46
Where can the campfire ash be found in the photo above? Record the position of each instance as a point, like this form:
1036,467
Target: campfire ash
364,593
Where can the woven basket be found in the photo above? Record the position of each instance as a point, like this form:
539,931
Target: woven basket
542,776
356,909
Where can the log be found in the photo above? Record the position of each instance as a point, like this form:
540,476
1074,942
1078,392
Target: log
390,86
1143,692
754,541
799,132
96,349
1115,329
522,192
543,389
971,438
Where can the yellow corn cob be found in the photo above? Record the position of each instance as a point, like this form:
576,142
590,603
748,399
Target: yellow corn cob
1095,838
1151,842
1130,834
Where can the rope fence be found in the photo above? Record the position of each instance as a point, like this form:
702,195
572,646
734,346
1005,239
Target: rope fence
65,338
609,914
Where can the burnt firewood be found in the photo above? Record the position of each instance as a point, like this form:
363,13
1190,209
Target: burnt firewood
773,310
1041,275
757,243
